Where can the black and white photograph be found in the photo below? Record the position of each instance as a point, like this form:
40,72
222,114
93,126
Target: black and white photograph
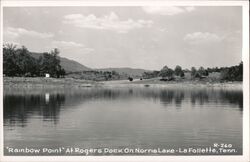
125,81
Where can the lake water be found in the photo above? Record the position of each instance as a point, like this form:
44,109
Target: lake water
123,117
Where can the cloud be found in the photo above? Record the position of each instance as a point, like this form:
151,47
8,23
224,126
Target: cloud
200,38
19,32
108,22
66,44
190,8
163,30
167,10
69,45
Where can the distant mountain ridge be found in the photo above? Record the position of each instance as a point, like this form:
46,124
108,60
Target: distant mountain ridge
67,64
74,66
126,70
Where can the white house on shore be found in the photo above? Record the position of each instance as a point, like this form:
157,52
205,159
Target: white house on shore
47,75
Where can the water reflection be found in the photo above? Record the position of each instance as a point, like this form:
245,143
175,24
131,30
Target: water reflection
47,97
200,97
149,117
233,98
19,108
21,105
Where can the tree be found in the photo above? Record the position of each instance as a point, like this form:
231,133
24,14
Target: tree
50,63
10,67
61,73
193,72
166,72
178,70
202,71
27,65
19,62
233,73
10,46
182,74
56,68
149,74
240,72
45,64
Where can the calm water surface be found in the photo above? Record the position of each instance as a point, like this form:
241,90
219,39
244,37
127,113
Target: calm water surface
120,117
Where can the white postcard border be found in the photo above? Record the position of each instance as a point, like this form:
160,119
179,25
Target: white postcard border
245,56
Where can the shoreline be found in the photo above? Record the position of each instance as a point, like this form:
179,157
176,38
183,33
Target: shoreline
41,82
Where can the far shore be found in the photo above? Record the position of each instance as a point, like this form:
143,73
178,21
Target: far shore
41,82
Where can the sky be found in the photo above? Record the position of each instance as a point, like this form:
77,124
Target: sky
147,37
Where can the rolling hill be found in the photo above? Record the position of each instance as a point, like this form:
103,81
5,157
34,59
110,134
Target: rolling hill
74,66
125,70
67,64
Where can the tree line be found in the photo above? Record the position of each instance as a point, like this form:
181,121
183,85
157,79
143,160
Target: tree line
233,73
96,75
19,62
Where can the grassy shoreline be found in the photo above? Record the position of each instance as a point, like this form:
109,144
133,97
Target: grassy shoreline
46,82
26,82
